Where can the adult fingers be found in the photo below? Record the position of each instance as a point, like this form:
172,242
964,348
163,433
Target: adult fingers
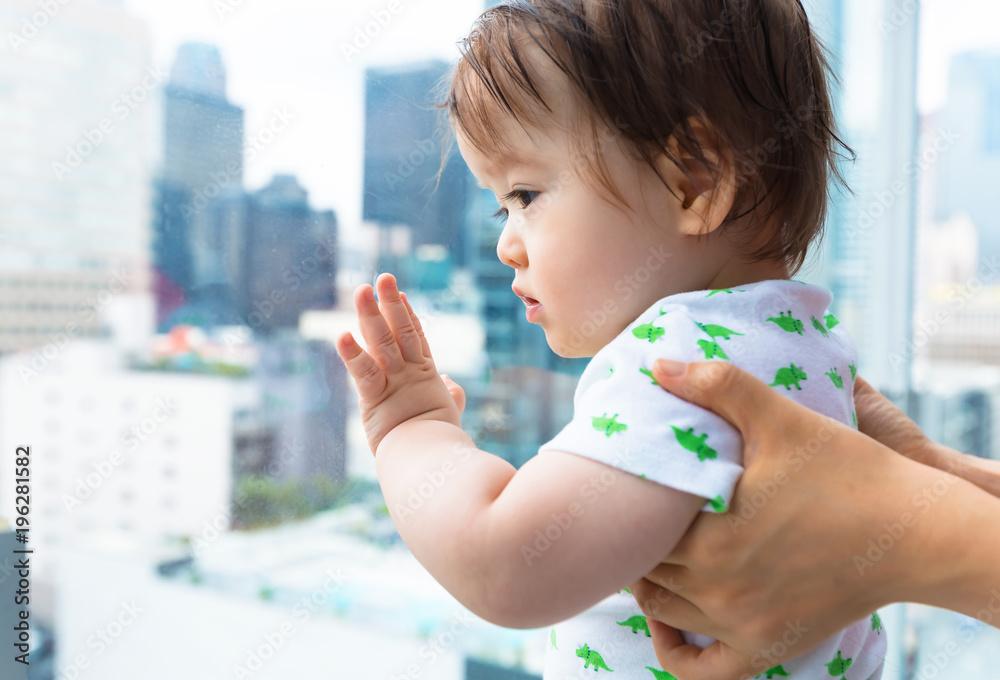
721,387
396,314
667,607
718,661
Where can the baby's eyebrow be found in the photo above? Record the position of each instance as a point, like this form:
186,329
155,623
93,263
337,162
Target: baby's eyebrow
509,162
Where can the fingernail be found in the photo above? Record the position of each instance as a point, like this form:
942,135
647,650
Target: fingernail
369,295
671,367
444,376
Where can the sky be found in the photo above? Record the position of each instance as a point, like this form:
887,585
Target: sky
297,56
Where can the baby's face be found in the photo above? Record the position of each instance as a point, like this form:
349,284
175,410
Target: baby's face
584,267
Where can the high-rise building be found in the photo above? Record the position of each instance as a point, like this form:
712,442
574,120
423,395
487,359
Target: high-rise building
867,257
403,143
77,97
199,190
971,157
290,257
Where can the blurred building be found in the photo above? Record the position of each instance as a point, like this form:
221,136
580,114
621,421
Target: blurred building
971,164
962,323
296,430
289,261
403,148
866,258
958,405
76,115
199,191
139,452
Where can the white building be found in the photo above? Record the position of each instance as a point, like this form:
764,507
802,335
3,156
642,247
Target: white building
147,453
78,108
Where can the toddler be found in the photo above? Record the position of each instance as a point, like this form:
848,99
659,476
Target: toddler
662,167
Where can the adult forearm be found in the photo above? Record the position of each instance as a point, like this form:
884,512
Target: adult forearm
959,554
982,472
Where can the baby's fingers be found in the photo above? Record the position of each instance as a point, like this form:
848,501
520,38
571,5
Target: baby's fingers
378,336
424,345
368,375
397,315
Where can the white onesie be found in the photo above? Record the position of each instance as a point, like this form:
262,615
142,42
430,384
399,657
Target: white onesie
783,333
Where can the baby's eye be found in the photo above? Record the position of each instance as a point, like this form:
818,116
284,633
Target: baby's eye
523,196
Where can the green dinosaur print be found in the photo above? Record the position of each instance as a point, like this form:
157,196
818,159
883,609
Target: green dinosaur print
648,331
831,321
777,670
608,425
696,444
626,590
787,323
719,290
839,665
660,675
552,638
592,657
877,623
854,419
854,371
818,325
647,372
715,331
835,377
636,623
718,504
712,349
789,376
611,373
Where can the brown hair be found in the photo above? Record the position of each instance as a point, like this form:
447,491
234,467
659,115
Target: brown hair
644,69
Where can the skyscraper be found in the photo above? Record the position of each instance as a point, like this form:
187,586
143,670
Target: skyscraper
866,258
971,163
200,189
403,140
290,257
76,98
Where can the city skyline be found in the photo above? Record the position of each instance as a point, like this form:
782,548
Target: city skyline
323,147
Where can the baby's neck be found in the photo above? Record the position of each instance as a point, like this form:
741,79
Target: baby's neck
739,272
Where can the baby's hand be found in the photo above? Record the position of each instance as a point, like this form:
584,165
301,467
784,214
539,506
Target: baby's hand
396,377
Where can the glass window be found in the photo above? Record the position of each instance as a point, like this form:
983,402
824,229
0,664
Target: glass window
193,192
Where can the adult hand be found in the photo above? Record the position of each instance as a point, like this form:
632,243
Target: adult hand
789,564
880,419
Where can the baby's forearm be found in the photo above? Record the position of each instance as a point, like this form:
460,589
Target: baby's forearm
437,486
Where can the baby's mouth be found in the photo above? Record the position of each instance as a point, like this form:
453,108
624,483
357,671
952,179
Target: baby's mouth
526,299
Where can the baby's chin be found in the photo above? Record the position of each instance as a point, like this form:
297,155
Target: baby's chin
568,350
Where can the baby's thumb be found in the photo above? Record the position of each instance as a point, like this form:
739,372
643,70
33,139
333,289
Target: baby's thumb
456,392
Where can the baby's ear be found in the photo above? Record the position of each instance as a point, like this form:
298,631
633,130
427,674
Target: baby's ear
705,189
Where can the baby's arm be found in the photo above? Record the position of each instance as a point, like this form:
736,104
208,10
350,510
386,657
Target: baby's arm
522,549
